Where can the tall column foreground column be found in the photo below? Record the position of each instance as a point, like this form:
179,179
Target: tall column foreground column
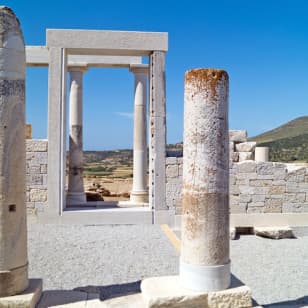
205,264
139,193
13,224
76,194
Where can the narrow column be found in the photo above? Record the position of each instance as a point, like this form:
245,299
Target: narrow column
205,264
75,194
157,144
139,193
261,154
13,224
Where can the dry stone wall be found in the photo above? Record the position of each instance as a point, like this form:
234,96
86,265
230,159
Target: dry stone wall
255,187
36,171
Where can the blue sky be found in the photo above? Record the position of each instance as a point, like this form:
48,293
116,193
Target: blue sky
262,44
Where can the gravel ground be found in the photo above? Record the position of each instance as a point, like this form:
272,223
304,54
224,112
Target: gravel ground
113,259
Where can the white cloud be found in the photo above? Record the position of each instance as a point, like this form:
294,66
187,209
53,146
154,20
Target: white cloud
128,115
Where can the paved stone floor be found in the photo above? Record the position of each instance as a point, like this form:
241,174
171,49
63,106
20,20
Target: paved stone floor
111,260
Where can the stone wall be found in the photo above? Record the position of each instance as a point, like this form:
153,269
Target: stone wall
36,175
255,187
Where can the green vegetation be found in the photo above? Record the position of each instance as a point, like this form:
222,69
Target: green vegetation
288,142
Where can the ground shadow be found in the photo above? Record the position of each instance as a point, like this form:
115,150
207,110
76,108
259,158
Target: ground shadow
111,291
235,283
296,303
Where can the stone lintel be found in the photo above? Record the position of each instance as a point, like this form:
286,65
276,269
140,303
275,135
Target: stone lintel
139,68
107,42
37,56
167,291
27,299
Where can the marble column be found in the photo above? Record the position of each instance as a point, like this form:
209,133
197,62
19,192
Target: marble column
262,154
75,193
13,222
204,262
139,193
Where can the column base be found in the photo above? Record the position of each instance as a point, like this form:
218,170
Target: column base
205,278
14,281
167,291
139,197
75,198
27,299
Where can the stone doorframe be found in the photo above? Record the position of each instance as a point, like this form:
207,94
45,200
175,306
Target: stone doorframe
64,46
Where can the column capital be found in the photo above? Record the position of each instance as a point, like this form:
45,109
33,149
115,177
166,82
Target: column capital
80,68
139,68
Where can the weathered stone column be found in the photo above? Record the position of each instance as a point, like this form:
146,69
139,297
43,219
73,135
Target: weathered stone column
75,194
205,264
262,154
13,225
139,193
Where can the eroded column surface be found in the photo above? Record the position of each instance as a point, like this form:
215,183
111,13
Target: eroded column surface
262,154
139,193
13,225
205,264
75,194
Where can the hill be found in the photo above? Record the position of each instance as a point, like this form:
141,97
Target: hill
296,127
288,142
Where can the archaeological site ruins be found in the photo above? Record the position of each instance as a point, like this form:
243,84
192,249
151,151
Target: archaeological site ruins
221,181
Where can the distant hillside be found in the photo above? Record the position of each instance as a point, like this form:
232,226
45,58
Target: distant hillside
288,142
296,127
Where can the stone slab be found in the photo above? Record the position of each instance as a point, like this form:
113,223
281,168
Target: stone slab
38,56
245,146
274,232
167,291
238,135
27,299
107,42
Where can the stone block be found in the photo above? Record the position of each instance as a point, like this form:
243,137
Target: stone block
246,190
245,198
238,135
245,146
231,146
291,187
279,183
172,171
34,179
43,168
258,198
261,190
33,169
36,145
234,189
260,183
277,190
265,176
239,297
246,177
295,197
246,167
239,208
167,291
171,161
234,157
265,168
28,129
27,299
273,205
255,210
288,207
274,232
243,156
38,195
